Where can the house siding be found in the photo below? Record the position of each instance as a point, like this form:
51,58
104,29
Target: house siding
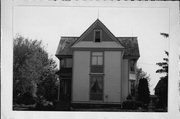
80,86
112,77
125,79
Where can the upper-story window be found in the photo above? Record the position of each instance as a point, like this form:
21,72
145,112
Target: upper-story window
97,35
97,58
66,63
132,66
97,62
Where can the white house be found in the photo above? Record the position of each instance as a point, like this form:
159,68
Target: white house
97,67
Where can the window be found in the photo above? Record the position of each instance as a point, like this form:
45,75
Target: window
132,66
96,80
66,63
97,62
97,58
132,84
69,62
97,36
96,87
62,62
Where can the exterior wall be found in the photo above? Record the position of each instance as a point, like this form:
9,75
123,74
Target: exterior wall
80,81
125,79
112,77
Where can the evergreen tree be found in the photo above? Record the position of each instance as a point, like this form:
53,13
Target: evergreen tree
140,74
143,91
161,89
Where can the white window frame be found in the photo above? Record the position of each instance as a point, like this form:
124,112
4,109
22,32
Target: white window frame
95,35
97,59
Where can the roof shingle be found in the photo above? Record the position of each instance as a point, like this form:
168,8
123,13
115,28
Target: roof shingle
131,46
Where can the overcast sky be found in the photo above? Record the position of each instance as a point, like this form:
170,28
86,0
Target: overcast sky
50,23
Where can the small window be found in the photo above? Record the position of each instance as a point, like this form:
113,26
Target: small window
132,87
97,36
132,66
62,62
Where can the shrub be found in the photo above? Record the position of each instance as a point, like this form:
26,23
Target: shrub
129,97
43,104
129,104
26,99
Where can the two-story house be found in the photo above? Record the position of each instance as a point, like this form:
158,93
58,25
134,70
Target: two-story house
97,67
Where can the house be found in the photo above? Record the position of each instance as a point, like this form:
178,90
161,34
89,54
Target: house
97,67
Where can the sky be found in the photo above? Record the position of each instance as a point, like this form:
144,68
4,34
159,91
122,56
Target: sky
50,23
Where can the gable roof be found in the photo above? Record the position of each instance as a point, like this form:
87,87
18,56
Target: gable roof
98,22
129,43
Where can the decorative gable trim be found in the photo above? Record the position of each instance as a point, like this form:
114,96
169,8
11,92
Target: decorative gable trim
98,22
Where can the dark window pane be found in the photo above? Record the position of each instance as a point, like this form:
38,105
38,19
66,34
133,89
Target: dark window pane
97,36
132,67
133,88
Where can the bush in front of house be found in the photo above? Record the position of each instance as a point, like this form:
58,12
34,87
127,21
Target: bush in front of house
26,99
43,104
129,104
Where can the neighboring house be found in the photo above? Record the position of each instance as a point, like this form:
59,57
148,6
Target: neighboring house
97,67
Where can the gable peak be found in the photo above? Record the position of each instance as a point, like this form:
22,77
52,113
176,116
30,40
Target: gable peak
98,24
98,21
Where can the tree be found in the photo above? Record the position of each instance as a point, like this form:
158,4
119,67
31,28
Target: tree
141,74
31,66
161,88
143,91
